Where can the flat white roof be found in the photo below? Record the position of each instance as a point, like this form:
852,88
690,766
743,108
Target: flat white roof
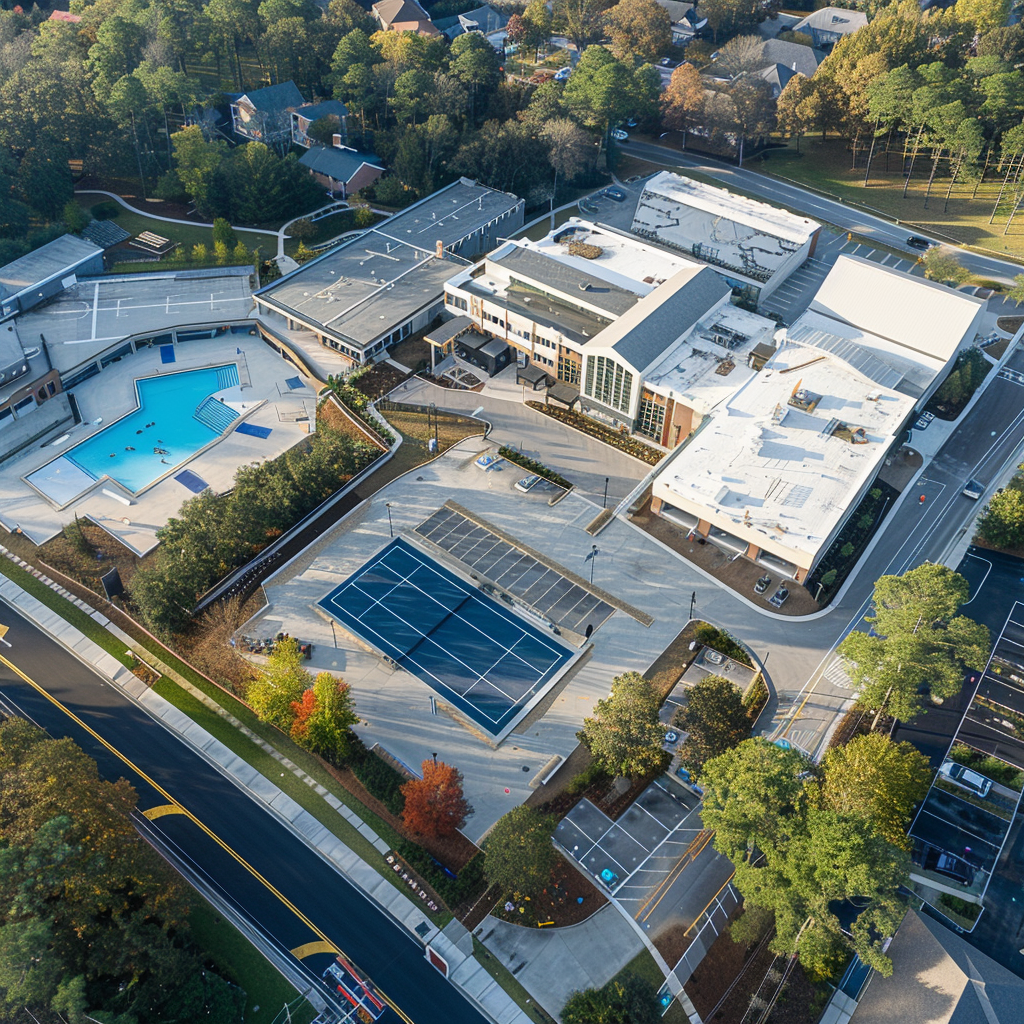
721,203
780,475
881,360
708,365
916,314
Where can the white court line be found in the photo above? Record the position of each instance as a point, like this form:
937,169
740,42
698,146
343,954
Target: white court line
95,308
982,583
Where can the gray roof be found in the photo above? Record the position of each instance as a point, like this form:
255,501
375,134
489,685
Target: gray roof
777,75
939,978
833,19
275,99
325,108
485,19
42,264
450,329
796,56
570,282
340,164
659,322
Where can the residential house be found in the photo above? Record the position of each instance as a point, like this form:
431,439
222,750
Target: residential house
305,115
686,22
72,19
264,115
938,977
341,169
403,16
485,20
827,26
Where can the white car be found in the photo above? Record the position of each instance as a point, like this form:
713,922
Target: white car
562,74
973,489
619,135
962,776
527,483
486,462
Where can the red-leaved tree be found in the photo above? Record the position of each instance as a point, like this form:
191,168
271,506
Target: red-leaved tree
435,805
303,709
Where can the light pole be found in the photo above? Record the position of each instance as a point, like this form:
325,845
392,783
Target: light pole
693,601
391,525
434,756
592,558
604,504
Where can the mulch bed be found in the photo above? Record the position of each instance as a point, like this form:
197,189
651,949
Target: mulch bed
719,969
1010,324
447,382
672,942
379,380
557,906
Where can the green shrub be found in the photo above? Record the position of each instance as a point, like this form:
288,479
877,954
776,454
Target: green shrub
582,781
721,641
380,780
453,891
535,467
107,210
963,908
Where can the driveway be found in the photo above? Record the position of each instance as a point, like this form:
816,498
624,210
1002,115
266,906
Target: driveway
582,460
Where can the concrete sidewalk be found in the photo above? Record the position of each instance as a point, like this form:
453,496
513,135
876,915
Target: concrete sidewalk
466,972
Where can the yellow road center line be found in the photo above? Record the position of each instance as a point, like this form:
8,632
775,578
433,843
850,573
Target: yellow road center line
196,821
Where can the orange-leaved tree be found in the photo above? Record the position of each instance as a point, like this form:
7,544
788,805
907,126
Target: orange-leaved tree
435,805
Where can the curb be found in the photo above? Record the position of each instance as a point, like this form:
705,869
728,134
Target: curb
267,795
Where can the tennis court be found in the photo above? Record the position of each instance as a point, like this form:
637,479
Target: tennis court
487,662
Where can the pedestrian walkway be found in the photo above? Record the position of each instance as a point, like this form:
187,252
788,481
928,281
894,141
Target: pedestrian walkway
465,971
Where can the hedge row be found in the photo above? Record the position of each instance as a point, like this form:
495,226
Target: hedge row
535,467
452,890
381,780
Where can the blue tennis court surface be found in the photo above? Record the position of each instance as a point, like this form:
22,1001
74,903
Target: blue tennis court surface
486,661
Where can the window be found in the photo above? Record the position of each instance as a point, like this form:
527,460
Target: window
650,419
568,370
51,388
90,371
609,383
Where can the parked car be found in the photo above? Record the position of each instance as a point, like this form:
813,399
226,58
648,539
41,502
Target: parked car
668,62
715,657
762,584
966,778
486,462
527,483
562,74
615,193
619,135
973,489
943,863
917,242
778,599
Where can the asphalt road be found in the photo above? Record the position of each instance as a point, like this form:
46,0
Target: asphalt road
246,855
833,212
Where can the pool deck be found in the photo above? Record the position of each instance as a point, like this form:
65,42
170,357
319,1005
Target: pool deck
111,394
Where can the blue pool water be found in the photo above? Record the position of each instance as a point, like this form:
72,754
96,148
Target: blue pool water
175,415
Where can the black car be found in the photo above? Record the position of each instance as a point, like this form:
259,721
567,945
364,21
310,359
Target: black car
917,242
943,863
615,193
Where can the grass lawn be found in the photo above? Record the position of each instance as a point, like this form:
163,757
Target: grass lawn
826,166
643,966
326,228
186,235
238,961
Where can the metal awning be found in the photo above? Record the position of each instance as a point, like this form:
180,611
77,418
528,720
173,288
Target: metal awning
564,394
448,330
679,517
780,565
727,541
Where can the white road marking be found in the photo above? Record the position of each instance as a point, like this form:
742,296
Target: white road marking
95,307
837,675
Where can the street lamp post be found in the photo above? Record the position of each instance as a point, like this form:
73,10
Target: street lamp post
592,558
693,601
604,504
391,525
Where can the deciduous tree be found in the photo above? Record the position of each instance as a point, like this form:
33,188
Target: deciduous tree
682,104
639,29
279,685
434,804
633,1000
520,854
715,718
1002,521
920,643
878,780
942,264
625,734
581,20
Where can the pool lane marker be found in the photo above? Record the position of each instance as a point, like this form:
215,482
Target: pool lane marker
181,809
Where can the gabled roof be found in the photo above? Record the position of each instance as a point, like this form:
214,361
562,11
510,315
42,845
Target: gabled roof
339,163
402,11
833,19
65,16
326,108
939,978
275,99
643,333
795,56
485,19
777,75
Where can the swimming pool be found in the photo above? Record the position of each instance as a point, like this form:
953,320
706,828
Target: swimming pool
176,416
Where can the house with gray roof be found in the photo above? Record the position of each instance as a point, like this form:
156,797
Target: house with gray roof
304,116
939,978
341,169
827,26
263,115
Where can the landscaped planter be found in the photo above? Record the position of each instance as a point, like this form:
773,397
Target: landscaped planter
623,442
